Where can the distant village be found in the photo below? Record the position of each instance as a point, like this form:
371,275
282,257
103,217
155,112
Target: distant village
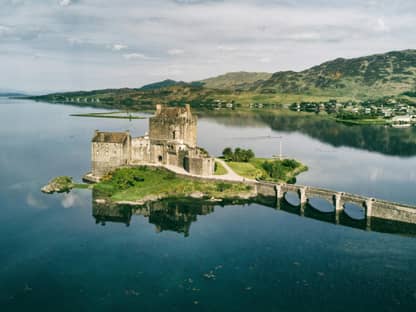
390,110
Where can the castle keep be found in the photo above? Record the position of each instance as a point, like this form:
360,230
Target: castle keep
171,141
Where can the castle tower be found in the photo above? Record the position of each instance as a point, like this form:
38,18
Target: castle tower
174,125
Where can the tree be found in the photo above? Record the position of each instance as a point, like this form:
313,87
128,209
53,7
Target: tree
228,154
239,154
249,155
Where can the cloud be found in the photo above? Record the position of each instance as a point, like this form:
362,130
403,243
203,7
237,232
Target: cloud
304,36
226,48
136,56
381,26
76,198
195,1
4,30
176,51
65,3
75,41
153,38
35,202
265,60
119,47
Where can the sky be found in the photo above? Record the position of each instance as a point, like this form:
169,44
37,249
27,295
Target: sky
62,45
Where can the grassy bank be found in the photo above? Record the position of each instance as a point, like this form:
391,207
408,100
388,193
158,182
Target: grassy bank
139,183
267,169
219,169
118,115
374,121
62,184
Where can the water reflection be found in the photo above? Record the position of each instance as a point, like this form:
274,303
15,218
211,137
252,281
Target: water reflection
177,215
381,139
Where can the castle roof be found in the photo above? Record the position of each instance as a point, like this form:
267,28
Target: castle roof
110,137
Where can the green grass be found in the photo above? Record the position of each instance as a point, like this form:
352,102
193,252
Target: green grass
81,186
250,170
219,169
374,121
132,184
254,169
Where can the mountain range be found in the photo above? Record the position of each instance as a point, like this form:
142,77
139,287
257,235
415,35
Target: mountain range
368,77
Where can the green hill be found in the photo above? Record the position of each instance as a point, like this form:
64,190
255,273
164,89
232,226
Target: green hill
372,77
366,77
168,83
237,80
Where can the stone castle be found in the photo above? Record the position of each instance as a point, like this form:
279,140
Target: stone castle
171,141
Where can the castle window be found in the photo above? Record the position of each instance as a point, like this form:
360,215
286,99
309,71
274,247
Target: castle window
160,158
174,135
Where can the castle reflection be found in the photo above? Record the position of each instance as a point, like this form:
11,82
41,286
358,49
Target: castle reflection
177,215
166,215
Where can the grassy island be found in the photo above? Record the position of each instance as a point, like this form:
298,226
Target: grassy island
62,184
267,169
141,184
244,163
117,115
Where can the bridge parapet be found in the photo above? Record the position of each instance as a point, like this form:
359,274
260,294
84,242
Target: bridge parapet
373,207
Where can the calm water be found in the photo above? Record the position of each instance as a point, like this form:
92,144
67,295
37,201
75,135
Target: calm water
190,256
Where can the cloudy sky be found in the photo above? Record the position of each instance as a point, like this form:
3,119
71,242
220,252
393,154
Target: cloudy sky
56,45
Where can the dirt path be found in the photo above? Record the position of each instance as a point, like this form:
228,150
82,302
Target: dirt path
229,176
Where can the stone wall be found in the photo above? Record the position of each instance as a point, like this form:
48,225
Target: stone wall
390,211
199,165
266,189
108,156
140,150
158,153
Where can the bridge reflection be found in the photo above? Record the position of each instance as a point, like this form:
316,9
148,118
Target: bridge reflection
178,214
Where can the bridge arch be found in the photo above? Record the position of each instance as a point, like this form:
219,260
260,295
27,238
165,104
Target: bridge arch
355,210
320,204
292,198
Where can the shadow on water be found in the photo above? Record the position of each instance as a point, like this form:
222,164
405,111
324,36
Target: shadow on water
177,215
354,212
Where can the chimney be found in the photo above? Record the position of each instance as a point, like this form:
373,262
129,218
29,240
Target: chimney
158,108
188,108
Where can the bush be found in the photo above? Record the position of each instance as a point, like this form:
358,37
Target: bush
228,153
278,169
290,163
123,179
221,187
239,154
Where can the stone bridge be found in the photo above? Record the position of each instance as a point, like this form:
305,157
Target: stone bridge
374,208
